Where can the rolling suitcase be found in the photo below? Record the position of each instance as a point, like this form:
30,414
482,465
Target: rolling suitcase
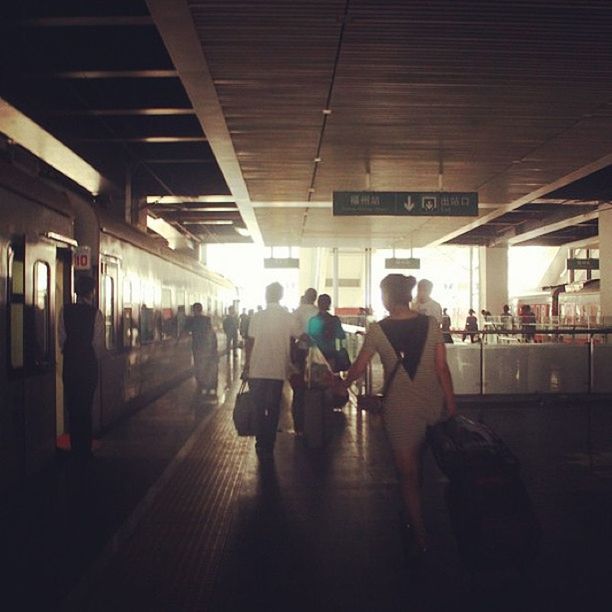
315,433
490,511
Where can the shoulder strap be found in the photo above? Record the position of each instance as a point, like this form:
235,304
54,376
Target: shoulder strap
391,378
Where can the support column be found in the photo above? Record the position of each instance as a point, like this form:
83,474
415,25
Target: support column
493,278
605,265
367,279
335,272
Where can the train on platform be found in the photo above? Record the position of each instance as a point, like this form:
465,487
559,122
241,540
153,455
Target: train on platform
144,293
569,305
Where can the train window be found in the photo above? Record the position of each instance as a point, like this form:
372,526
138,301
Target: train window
147,325
168,319
107,303
16,304
41,311
127,323
127,292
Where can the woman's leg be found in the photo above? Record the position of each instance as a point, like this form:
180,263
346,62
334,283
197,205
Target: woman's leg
408,464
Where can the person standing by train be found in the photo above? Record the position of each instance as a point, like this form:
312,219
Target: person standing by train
81,332
230,327
243,325
204,349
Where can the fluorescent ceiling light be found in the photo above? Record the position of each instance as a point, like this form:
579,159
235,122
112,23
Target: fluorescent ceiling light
215,222
171,199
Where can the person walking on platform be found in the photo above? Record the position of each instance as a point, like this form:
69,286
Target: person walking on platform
419,392
506,318
243,324
81,333
204,349
267,364
303,313
326,332
230,327
424,304
445,326
471,326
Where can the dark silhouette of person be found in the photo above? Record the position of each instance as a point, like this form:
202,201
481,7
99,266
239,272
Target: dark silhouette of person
305,311
528,323
204,349
230,327
326,331
81,338
445,326
471,326
243,324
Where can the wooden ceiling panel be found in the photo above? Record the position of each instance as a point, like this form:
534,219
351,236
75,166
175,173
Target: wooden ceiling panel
506,96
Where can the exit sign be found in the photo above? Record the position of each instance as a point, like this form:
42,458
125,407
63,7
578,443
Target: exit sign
403,263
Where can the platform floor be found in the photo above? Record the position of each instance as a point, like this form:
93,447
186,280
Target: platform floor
179,514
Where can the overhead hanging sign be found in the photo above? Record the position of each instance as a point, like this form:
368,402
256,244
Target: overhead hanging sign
281,262
403,263
81,258
406,203
576,263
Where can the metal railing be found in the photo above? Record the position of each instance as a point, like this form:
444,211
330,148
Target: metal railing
534,361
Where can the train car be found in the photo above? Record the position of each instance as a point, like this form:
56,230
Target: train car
543,303
575,305
144,293
580,305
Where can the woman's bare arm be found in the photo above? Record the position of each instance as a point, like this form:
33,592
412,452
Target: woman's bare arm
358,368
445,378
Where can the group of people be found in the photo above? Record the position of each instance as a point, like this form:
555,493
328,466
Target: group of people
410,343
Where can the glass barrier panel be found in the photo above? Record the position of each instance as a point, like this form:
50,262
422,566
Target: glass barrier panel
602,368
464,364
536,368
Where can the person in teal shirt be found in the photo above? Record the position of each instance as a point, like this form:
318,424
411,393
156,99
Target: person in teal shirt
325,330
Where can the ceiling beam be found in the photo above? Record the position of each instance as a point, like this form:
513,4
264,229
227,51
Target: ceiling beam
108,74
22,130
182,199
528,198
187,216
147,139
553,224
177,29
80,22
121,112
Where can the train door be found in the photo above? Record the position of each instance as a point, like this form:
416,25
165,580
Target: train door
112,364
63,295
12,420
39,384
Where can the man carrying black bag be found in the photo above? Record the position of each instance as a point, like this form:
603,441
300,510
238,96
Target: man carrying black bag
267,364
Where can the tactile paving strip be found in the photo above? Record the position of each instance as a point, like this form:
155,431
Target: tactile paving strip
173,555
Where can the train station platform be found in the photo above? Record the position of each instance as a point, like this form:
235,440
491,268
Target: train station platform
178,513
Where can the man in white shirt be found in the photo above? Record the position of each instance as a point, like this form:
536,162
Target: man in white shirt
268,359
424,304
302,314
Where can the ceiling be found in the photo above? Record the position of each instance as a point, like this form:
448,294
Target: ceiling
97,76
272,105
